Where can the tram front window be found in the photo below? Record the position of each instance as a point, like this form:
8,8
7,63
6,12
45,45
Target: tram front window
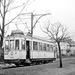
11,44
17,44
7,45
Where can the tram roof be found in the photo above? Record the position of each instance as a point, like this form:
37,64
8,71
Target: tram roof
29,37
20,34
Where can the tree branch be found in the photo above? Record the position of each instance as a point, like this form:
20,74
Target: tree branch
2,3
24,23
39,18
46,32
15,7
0,10
18,14
9,2
7,29
64,33
1,14
0,26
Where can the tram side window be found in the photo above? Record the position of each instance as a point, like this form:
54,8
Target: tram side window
11,44
35,45
54,48
40,46
17,44
6,44
51,48
23,44
44,47
48,48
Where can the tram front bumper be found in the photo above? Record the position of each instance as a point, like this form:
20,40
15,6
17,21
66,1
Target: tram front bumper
12,61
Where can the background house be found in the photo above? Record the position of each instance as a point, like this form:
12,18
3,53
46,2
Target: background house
67,49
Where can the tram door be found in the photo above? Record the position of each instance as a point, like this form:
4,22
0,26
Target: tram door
27,49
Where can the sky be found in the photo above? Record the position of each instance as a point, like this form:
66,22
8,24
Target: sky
61,10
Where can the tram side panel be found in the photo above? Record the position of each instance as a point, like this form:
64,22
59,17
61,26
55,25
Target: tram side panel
22,55
38,54
42,55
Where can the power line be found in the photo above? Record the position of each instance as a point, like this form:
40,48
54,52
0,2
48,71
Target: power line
16,26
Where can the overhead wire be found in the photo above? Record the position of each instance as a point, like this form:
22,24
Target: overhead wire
24,24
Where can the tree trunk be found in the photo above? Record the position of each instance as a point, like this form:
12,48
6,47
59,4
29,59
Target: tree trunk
60,54
3,23
1,43
2,30
1,50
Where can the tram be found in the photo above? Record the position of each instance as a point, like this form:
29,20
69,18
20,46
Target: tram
21,49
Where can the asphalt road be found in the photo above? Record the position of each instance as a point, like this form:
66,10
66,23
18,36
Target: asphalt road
44,69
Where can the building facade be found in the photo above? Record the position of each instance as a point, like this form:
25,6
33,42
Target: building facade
67,49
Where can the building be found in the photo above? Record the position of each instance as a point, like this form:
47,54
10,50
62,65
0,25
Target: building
64,47
67,49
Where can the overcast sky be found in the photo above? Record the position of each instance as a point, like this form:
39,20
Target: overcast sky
61,10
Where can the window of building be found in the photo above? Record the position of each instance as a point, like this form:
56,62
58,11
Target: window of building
17,44
23,44
35,45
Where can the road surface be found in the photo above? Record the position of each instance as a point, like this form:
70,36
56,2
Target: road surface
44,69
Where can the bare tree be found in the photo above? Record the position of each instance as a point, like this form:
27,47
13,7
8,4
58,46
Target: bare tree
5,7
57,33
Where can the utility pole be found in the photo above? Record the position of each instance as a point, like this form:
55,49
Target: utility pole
31,24
32,18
